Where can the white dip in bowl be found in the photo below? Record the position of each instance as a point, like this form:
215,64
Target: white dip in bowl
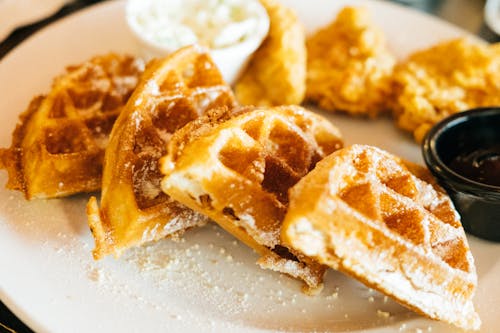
231,29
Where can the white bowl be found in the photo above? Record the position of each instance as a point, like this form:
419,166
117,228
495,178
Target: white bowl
230,59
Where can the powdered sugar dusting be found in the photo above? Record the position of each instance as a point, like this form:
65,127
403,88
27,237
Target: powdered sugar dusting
206,279
220,278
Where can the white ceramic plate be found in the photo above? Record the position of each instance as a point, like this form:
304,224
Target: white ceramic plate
207,282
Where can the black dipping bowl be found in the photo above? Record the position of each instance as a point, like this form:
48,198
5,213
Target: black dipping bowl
477,202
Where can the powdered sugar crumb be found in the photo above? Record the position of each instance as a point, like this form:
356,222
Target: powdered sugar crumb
206,278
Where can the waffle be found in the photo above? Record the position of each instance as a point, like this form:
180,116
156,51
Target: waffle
58,145
452,76
237,168
365,212
349,67
171,92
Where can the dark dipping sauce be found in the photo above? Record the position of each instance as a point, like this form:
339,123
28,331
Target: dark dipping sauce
481,165
463,153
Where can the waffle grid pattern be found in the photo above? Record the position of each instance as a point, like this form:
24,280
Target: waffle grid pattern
243,169
134,210
58,146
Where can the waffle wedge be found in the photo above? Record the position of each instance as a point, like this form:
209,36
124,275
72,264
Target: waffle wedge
369,214
58,145
237,168
134,210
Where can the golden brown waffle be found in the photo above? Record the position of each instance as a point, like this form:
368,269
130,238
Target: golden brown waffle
171,92
276,74
364,211
349,67
452,76
58,145
237,170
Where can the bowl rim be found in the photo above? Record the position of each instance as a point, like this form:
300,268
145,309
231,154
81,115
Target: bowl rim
440,169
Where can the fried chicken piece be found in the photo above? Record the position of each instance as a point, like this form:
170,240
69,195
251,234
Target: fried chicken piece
447,78
276,73
349,66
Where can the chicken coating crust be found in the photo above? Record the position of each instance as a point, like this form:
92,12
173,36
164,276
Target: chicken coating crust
276,73
349,66
450,77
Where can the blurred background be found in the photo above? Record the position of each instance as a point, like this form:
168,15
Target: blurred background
467,14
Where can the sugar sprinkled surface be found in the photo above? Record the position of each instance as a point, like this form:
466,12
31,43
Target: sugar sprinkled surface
220,277
206,278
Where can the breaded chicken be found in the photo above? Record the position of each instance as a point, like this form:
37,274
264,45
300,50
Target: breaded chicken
449,77
349,66
277,71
